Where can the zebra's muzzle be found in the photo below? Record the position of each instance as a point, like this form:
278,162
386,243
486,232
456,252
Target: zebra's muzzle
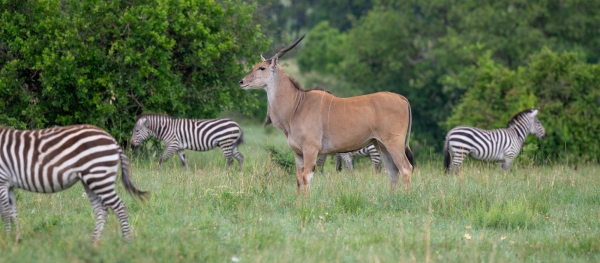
133,145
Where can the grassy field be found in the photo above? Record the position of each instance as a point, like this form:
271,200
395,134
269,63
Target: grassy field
533,214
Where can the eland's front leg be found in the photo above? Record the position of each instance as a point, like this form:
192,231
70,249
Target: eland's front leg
299,169
310,160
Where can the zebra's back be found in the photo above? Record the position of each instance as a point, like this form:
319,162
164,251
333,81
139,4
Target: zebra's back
206,134
51,160
489,145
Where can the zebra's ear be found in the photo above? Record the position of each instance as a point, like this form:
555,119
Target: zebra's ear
534,113
142,120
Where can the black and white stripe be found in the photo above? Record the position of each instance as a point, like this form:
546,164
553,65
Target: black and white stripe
52,160
348,158
501,145
192,134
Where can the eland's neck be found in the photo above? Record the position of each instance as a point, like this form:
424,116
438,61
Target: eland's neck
283,99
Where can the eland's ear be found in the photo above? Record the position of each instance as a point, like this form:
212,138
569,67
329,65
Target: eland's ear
534,113
263,58
274,61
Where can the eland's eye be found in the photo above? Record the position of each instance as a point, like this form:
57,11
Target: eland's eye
262,68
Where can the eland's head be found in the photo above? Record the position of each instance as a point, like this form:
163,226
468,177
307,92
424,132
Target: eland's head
264,71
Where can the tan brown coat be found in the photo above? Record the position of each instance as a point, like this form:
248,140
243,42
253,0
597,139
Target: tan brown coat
316,122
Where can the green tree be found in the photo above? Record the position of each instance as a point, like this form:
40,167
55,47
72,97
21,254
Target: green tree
564,88
412,47
104,62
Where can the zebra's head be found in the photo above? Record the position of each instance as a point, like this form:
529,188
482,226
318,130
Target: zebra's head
528,120
140,132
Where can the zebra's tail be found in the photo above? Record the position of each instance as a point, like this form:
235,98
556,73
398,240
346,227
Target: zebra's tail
240,139
125,177
446,156
407,150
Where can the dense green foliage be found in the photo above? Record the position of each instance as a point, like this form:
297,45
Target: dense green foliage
206,214
415,47
105,62
566,91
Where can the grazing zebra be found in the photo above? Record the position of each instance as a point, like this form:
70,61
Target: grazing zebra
369,150
52,160
492,145
197,135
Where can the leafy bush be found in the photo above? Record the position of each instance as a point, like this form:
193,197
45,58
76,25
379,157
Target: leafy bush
105,62
283,159
565,89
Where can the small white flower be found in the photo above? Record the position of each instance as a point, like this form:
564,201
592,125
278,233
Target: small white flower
235,259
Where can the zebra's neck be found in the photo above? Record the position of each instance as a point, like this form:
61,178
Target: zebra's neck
520,131
159,126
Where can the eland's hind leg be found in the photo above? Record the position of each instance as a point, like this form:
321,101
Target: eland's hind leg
398,155
390,166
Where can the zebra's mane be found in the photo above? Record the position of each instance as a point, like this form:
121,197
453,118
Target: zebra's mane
154,115
518,116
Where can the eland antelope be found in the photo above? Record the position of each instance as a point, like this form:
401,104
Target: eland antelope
316,122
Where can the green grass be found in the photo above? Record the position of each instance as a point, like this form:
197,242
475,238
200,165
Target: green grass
532,214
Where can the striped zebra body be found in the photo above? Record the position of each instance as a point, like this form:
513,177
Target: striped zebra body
52,160
192,134
501,145
348,158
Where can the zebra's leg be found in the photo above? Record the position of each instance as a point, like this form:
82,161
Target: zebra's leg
338,162
100,211
458,156
5,207
347,157
100,187
507,164
171,149
181,153
109,198
239,157
13,213
375,159
227,148
321,162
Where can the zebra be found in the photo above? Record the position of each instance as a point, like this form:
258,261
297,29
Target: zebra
193,134
348,157
501,145
52,160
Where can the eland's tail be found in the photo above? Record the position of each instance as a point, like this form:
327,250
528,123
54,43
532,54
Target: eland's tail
407,150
